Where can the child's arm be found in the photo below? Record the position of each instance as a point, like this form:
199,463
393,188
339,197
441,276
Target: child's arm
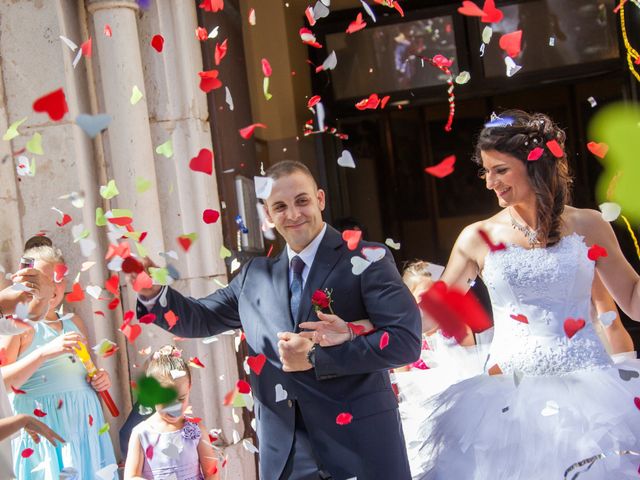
135,458
100,381
208,458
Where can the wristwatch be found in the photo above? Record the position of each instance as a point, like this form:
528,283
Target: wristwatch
311,355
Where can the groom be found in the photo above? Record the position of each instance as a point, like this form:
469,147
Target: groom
322,413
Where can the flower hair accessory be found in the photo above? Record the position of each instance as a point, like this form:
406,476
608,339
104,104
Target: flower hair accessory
168,350
321,299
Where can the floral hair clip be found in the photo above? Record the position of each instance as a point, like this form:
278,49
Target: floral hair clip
498,121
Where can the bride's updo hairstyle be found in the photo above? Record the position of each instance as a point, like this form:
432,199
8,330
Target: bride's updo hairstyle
517,133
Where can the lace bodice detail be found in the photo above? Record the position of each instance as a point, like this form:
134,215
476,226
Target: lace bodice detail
533,292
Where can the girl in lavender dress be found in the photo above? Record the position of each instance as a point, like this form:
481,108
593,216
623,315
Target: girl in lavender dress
167,445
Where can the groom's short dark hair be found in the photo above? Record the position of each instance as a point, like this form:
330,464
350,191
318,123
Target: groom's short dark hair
288,167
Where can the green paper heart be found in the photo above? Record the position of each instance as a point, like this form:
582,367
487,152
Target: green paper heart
122,212
142,251
136,95
165,149
109,190
224,252
101,220
35,144
265,89
142,185
239,401
150,393
618,125
160,276
12,132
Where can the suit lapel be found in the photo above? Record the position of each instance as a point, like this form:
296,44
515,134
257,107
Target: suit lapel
327,256
280,278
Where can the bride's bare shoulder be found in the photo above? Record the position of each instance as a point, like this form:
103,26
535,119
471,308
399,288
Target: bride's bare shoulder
582,220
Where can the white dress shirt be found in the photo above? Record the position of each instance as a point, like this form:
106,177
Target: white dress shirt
307,255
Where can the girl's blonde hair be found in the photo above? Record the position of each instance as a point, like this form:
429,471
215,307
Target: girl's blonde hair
164,362
414,272
41,248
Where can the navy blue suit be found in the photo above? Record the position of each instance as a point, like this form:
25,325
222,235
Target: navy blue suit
349,378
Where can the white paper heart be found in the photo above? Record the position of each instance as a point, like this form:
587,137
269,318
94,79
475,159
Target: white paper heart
517,377
369,11
69,43
228,98
254,424
463,77
214,32
92,125
171,451
607,318
373,254
512,68
359,265
263,186
551,408
115,265
175,409
320,116
330,62
108,472
94,291
610,211
249,446
320,10
391,244
486,34
346,160
177,373
281,393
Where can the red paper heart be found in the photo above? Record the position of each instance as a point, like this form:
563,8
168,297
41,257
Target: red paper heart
352,237
555,148
384,341
357,25
598,149
149,452
370,103
266,67
535,154
221,52
596,251
112,284
511,43
17,391
131,265
66,218
573,326
148,318
86,48
203,162
39,413
210,216
256,363
185,242
128,316
470,9
76,295
313,101
90,420
243,386
157,42
54,104
495,370
59,271
171,318
113,304
26,453
520,318
131,331
383,102
143,280
491,13
636,401
195,362
246,132
202,34
344,418
444,168
212,5
209,80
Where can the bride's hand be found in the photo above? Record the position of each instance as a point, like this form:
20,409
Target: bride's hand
328,331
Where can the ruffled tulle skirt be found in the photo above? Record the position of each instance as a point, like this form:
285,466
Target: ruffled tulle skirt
583,425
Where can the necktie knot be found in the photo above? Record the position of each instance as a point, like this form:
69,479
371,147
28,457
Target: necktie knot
297,265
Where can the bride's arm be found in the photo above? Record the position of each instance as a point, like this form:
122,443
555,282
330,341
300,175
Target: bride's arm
462,267
617,274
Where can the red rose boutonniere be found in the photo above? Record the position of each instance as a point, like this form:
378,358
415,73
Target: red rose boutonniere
321,299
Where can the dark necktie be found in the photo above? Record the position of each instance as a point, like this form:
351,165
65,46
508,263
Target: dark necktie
297,265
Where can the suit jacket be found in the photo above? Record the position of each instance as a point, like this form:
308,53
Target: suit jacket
349,378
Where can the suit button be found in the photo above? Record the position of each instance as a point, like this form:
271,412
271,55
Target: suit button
290,403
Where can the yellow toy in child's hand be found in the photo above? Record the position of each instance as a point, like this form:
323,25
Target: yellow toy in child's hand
85,358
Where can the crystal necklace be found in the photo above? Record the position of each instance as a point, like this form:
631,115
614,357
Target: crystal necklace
530,234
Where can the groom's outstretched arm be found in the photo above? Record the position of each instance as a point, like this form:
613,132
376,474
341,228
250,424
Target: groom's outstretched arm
397,339
203,317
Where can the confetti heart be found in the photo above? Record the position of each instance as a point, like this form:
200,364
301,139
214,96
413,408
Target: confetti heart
136,95
94,291
39,413
492,246
59,272
220,52
551,408
92,125
470,9
203,162
607,318
247,132
596,251
157,42
209,80
263,186
109,190
357,25
512,68
636,401
330,62
142,281
131,332
12,132
520,318
391,244
555,148
148,318
573,326
171,451
346,160
252,17
491,13
463,77
165,149
320,10
26,453
627,375
34,145
224,252
256,363
610,211
150,393
373,254
171,320
53,104
243,386
359,265
535,154
598,149
442,169
212,5
352,237
76,295
370,103
384,341
210,216
281,393
511,43
344,418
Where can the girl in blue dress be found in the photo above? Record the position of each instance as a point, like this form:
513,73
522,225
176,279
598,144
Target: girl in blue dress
44,378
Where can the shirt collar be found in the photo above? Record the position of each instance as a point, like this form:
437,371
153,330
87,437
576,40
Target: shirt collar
309,252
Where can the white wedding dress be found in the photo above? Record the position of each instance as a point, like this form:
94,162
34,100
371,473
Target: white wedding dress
561,408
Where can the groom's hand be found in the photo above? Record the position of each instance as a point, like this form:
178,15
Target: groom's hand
293,351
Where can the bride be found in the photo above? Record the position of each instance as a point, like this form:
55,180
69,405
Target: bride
554,405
